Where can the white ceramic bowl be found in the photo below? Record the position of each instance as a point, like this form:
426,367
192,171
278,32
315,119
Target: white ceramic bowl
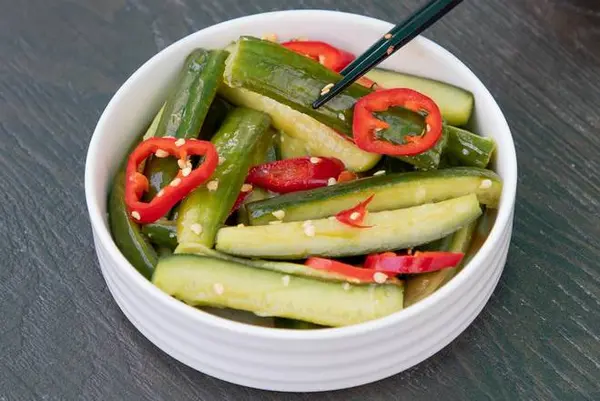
288,360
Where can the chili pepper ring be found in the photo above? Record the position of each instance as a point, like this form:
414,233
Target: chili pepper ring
365,125
136,183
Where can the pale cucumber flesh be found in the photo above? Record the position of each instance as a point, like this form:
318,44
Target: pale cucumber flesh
202,281
395,229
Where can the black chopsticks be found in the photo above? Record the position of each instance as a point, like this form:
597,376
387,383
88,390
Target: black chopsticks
400,35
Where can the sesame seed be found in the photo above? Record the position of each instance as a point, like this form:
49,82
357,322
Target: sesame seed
428,127
380,277
180,142
136,215
387,35
342,117
161,153
175,182
315,160
241,225
309,229
196,228
286,280
380,172
378,129
181,163
172,235
247,188
354,216
485,184
390,50
275,222
160,193
331,181
212,185
279,214
221,160
324,92
321,59
218,288
186,171
346,286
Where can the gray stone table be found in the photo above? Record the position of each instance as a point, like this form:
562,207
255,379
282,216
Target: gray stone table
62,337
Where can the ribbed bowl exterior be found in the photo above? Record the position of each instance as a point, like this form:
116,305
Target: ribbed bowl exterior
290,364
287,360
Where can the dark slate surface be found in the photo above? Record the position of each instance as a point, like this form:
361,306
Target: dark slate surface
62,337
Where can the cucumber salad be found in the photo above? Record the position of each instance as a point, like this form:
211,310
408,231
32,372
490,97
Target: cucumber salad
240,198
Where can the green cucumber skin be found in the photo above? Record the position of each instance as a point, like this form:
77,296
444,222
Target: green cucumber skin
283,323
186,110
395,229
393,191
456,104
162,233
294,269
127,235
203,281
255,195
188,105
425,161
289,78
130,240
420,286
264,148
467,149
236,142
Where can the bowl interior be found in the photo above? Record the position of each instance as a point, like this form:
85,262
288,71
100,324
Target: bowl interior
138,100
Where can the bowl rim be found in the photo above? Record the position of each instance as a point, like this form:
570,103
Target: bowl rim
492,242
